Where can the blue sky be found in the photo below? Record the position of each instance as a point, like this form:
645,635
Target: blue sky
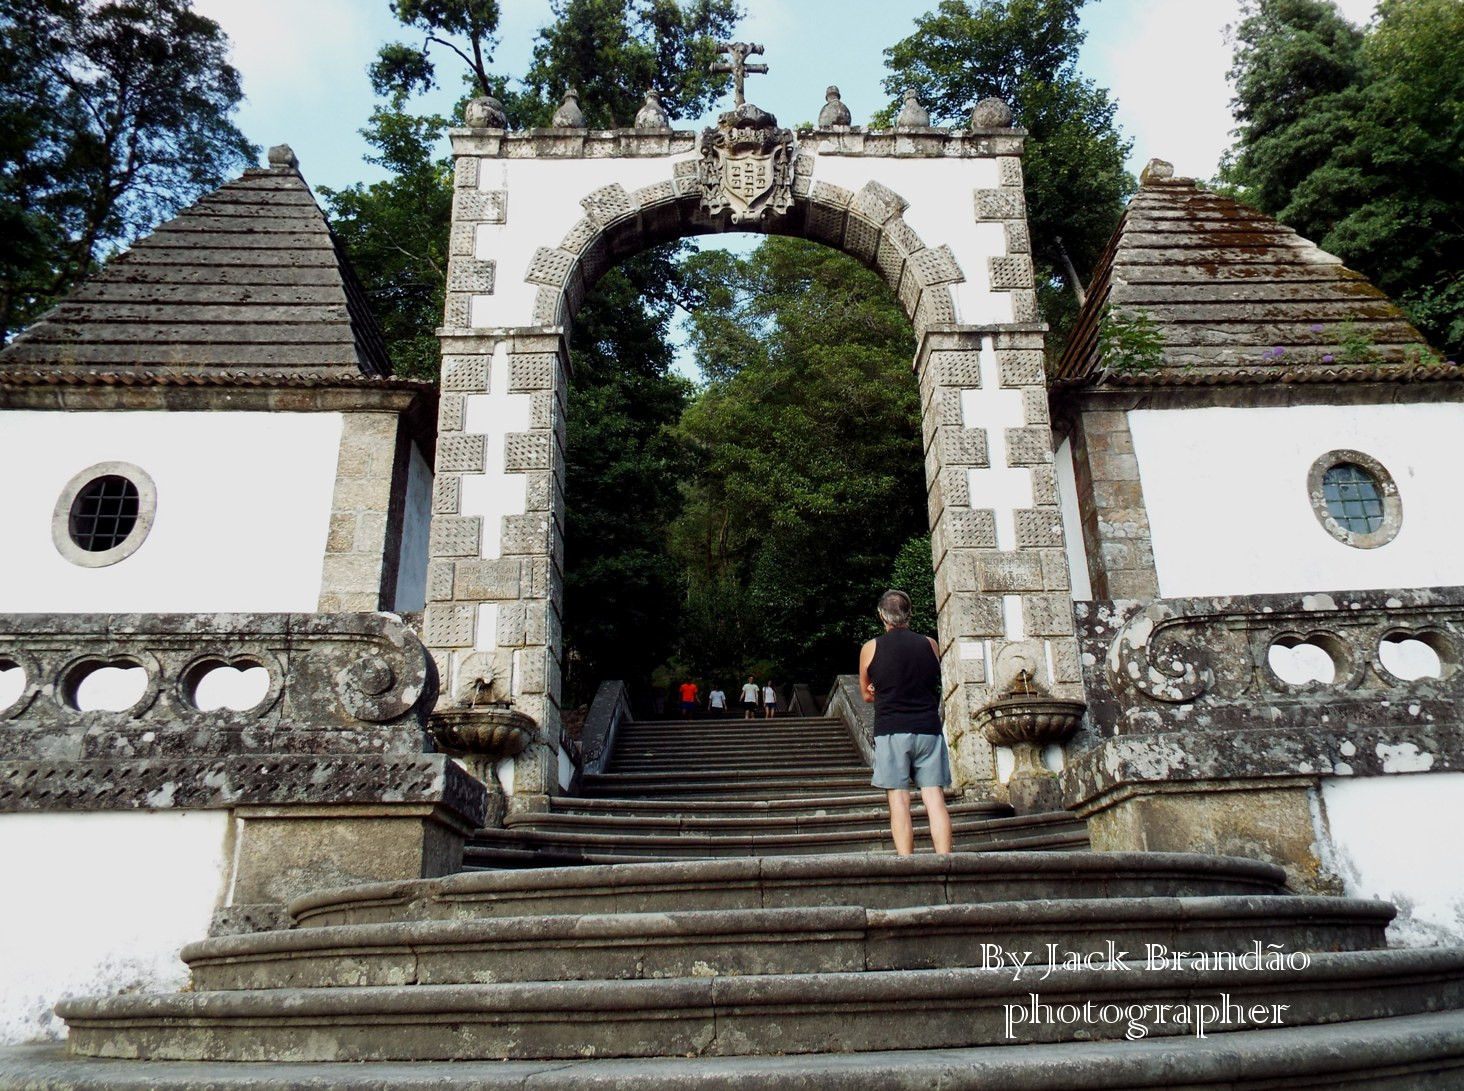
304,67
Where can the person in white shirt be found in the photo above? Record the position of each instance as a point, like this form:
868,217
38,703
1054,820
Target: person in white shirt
749,698
717,701
770,701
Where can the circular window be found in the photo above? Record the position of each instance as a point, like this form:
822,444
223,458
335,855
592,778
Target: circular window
103,514
1355,499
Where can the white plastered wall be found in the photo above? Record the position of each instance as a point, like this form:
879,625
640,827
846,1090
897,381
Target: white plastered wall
98,903
542,202
1226,494
1067,495
1400,839
243,509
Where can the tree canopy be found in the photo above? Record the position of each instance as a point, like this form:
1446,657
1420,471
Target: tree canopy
112,117
1355,137
809,476
1025,52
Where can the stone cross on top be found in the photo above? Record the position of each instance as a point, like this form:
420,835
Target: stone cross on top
738,66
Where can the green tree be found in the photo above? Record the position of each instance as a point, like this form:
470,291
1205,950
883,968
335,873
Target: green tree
1356,139
808,449
1025,52
112,117
612,52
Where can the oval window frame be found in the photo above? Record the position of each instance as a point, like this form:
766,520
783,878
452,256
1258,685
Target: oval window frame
147,507
1387,489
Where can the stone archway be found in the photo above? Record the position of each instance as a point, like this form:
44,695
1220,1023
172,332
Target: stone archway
539,216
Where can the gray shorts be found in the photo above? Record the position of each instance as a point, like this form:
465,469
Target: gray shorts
905,757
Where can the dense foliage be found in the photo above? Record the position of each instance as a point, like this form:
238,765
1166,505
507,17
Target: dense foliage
112,117
1025,52
1356,139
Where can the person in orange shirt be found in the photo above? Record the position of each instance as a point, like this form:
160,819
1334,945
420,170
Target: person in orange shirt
688,700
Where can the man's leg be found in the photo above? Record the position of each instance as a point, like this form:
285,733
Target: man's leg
940,818
900,828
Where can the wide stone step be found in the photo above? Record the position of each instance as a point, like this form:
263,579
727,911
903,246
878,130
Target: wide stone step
834,939
1056,832
868,800
737,1015
814,763
1416,1053
697,785
871,815
875,882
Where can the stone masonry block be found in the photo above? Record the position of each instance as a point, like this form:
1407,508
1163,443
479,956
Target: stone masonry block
1034,407
937,307
459,310
447,490
1014,571
959,368
577,236
1054,570
439,581
1000,204
465,274
977,615
527,534
963,447
877,203
937,266
450,413
1065,661
448,625
1110,466
608,203
1024,306
456,536
1010,273
465,373
481,206
529,371
550,267
826,224
955,484
527,451
463,240
1028,446
1017,239
1044,486
1021,367
341,536
511,625
488,580
1009,167
1047,615
461,453
861,238
972,528
1039,528
465,172
538,491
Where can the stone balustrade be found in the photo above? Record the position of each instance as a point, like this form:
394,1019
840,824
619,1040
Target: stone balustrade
1221,664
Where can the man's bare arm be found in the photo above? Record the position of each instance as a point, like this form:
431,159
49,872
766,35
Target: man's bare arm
866,657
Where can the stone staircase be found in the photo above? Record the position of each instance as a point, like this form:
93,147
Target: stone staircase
719,934
779,971
694,789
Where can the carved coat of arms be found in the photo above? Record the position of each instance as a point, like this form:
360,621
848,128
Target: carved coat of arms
747,165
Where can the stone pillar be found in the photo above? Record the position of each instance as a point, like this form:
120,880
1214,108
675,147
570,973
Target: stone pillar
1111,507
1001,574
495,584
359,573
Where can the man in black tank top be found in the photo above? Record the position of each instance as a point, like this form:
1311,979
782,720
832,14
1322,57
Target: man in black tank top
900,673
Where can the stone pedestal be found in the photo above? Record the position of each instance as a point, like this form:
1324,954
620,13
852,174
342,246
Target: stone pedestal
1185,793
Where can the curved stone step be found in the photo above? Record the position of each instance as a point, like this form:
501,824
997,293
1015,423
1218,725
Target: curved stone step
1417,1052
814,765
733,1016
691,784
884,882
828,939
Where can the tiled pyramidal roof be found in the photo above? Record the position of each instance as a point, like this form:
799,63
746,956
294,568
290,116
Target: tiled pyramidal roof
1237,297
248,284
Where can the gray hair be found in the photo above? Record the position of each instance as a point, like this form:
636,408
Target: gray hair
894,608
